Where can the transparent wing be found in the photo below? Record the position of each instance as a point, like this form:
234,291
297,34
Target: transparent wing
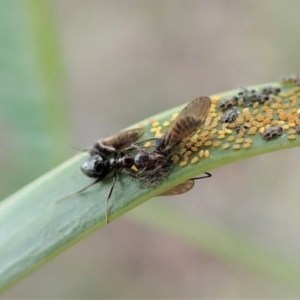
123,139
188,121
180,189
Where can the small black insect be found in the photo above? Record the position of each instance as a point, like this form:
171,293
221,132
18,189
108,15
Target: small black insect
261,99
290,79
270,90
230,115
152,166
273,133
298,129
247,97
239,128
228,102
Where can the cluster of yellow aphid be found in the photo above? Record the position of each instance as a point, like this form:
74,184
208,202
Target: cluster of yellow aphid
268,119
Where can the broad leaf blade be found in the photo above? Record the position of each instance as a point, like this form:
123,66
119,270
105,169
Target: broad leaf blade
38,220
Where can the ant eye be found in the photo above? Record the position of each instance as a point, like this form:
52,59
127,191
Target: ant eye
98,168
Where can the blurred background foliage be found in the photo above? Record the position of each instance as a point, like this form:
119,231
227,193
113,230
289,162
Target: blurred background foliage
72,71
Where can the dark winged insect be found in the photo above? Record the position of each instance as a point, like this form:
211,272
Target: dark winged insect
290,79
117,142
228,102
273,133
230,115
247,97
270,90
186,124
261,99
239,128
119,153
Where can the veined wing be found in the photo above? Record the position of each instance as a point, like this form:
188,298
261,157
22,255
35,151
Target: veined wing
184,187
180,189
118,141
123,139
187,122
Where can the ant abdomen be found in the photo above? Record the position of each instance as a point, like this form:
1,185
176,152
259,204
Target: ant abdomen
149,160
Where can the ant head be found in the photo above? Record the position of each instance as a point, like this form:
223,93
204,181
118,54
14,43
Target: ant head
160,146
96,167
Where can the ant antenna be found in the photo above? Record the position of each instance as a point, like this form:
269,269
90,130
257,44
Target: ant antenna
78,192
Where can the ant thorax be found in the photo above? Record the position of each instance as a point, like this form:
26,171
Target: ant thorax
125,161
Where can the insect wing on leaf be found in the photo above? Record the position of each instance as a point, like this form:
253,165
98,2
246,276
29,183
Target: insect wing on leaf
187,122
123,139
180,189
117,142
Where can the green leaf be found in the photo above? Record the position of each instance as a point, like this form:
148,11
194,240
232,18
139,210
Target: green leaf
31,97
37,224
34,225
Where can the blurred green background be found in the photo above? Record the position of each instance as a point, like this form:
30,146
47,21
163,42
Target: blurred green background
73,71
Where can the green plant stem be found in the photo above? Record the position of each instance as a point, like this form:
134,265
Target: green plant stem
36,224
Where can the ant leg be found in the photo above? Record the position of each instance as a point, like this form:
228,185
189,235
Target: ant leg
158,169
153,176
109,195
207,175
141,172
181,155
134,176
151,139
80,191
85,188
135,146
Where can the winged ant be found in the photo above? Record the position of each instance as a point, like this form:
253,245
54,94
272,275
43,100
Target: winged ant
152,166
